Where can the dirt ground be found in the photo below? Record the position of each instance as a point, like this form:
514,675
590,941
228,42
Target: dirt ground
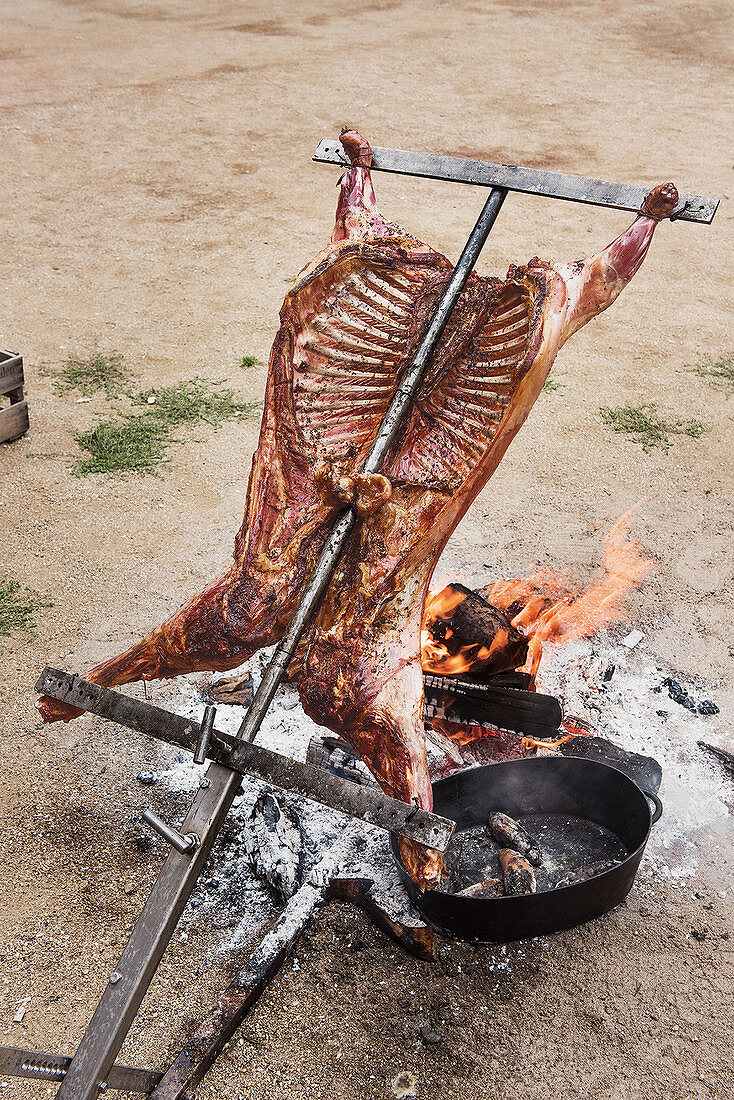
158,197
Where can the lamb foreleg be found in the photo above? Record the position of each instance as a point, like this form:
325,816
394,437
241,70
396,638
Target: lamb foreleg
592,285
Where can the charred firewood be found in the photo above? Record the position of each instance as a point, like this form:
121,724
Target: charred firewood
338,757
586,871
490,888
510,834
517,873
236,691
725,758
522,680
274,846
441,741
475,622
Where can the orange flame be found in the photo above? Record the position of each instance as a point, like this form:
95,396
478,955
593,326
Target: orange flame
548,606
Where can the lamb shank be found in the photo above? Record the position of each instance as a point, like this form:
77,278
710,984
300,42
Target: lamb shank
349,327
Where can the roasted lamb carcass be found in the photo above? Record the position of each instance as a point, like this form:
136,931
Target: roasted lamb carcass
349,327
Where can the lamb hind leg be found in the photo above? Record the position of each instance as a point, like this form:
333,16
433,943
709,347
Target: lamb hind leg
592,285
195,639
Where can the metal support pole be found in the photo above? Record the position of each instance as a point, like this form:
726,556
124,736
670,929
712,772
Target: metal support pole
153,929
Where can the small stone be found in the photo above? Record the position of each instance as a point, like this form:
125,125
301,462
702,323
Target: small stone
430,1034
151,400
405,1085
147,778
707,706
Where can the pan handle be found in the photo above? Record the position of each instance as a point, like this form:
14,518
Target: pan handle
657,812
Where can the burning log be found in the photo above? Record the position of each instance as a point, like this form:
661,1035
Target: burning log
518,874
463,632
468,703
510,835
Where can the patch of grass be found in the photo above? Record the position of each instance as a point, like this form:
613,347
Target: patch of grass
720,372
138,443
195,401
17,608
644,425
130,444
247,361
551,385
100,372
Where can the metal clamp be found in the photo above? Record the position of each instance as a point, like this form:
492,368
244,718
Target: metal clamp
183,844
205,734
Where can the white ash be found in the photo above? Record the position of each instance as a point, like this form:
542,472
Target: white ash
621,705
228,890
625,708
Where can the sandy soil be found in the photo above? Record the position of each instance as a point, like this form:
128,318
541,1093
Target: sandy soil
158,197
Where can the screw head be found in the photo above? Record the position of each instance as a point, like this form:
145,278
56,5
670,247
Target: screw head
204,783
114,979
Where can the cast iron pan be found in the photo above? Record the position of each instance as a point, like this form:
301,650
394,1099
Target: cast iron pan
541,785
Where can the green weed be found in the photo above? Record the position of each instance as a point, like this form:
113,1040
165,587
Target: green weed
101,372
130,444
720,372
17,608
247,361
551,385
644,425
139,443
196,401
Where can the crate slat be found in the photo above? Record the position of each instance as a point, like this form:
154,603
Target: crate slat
13,421
11,372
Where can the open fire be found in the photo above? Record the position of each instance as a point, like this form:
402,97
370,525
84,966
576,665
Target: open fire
549,606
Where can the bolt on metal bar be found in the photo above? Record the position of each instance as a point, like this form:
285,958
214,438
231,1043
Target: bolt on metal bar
386,433
173,837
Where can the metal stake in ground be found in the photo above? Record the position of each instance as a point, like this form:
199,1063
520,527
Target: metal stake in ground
153,929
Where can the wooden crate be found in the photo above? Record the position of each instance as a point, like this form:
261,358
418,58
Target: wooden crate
13,416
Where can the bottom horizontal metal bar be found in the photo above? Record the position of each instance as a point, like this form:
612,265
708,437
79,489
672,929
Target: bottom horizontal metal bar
368,804
17,1062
